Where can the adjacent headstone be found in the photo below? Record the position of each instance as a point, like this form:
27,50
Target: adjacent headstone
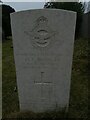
2,35
85,26
43,47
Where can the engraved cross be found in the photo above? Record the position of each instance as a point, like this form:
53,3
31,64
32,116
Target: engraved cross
42,83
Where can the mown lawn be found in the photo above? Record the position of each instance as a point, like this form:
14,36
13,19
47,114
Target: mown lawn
79,86
0,79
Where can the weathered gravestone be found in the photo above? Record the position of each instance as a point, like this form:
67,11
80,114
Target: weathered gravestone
43,47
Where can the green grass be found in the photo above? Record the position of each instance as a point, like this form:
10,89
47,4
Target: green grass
79,86
10,97
0,79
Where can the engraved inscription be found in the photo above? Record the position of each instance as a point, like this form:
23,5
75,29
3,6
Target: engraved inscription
39,61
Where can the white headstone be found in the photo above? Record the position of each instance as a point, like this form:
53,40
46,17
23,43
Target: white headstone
43,47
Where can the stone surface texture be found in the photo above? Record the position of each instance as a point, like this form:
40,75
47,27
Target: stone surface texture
43,42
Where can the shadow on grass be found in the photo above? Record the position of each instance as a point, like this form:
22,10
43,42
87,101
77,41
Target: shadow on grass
51,115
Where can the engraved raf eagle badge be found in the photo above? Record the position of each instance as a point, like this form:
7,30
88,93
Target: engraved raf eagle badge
41,34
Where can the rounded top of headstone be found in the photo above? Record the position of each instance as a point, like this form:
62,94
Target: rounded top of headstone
48,9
